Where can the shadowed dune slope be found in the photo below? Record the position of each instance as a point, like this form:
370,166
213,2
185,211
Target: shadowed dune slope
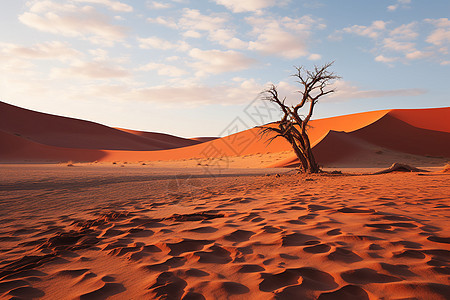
395,134
14,148
165,141
66,132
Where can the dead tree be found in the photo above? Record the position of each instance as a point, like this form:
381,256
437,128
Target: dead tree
293,126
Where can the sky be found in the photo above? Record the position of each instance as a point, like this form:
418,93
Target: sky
196,68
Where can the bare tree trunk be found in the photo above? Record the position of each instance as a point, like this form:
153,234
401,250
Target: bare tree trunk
292,127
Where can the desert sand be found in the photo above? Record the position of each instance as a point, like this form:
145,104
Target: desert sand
136,232
94,212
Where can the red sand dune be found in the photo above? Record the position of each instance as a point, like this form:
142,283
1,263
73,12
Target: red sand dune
66,132
423,132
15,148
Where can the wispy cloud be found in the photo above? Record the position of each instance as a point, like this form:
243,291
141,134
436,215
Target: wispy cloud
441,34
163,69
216,61
346,91
286,37
110,4
402,43
73,21
239,6
90,70
399,4
48,50
162,44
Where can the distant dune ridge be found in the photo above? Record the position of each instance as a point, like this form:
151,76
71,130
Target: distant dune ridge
371,138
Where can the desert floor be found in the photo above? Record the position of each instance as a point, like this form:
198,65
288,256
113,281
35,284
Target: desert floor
132,232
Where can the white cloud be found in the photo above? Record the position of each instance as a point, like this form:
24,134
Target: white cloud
216,61
48,50
69,20
392,7
192,94
217,27
168,22
158,5
90,70
384,59
110,4
99,54
173,58
403,39
314,56
346,91
226,38
286,37
192,34
192,19
159,43
238,6
441,35
194,24
417,54
405,31
392,44
373,31
399,3
164,70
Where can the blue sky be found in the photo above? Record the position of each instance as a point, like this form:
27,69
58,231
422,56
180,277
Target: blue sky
190,68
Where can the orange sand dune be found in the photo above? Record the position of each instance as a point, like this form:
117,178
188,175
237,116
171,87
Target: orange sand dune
432,118
363,137
66,132
370,132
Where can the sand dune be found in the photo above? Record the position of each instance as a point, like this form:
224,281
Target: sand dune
16,148
66,132
368,139
165,141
